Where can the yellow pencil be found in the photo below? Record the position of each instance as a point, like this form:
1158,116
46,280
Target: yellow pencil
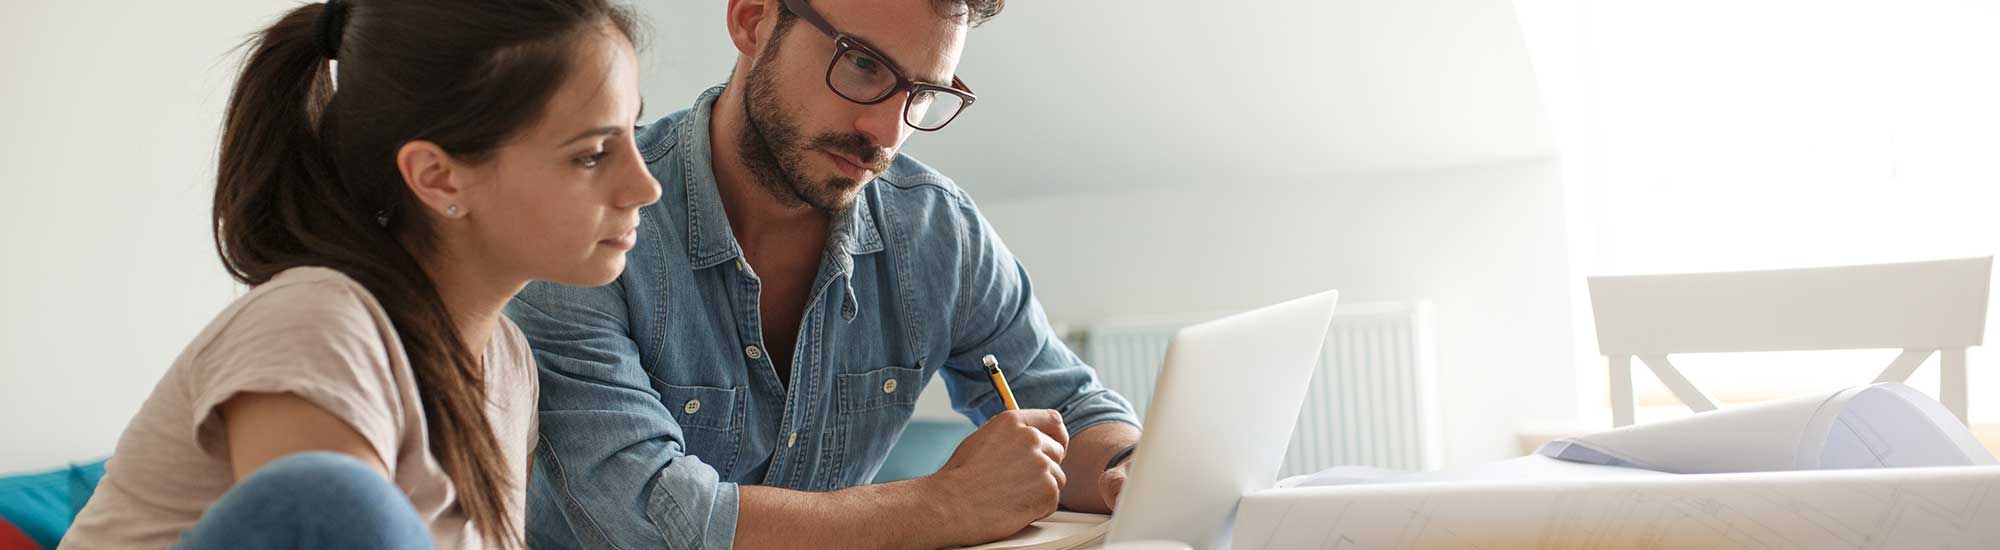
999,381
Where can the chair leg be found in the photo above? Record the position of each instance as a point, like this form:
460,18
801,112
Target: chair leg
1621,391
1951,383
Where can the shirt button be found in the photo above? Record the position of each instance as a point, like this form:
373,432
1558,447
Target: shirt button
742,265
753,352
793,440
692,406
889,386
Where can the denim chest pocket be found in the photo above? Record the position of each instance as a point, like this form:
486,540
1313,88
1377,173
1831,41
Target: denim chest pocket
879,388
870,411
708,417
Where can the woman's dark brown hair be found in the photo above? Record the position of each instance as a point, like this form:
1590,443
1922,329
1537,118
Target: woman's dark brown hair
307,173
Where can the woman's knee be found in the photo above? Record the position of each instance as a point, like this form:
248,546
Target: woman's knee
320,485
330,499
336,477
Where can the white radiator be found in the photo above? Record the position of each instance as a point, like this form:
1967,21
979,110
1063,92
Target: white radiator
1373,400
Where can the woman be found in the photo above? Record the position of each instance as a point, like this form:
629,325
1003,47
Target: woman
367,392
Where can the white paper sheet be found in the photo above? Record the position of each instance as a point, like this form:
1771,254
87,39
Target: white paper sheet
1876,508
1876,426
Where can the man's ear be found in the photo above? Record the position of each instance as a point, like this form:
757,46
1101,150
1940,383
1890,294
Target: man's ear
430,174
748,22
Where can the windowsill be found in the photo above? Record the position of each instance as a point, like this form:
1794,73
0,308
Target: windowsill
1989,435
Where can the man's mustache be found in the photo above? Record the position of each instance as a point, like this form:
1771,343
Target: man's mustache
857,146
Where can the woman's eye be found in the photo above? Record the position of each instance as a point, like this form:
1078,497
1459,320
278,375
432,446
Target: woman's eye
591,160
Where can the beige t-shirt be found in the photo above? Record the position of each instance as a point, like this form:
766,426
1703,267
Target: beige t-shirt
318,334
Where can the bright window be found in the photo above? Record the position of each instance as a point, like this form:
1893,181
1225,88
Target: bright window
1723,135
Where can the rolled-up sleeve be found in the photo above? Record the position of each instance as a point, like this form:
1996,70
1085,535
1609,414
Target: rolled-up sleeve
611,468
996,313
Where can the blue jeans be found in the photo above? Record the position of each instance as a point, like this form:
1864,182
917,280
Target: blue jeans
311,501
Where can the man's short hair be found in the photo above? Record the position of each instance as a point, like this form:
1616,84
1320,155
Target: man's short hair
975,11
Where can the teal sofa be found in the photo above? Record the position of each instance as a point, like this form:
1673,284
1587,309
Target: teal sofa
42,504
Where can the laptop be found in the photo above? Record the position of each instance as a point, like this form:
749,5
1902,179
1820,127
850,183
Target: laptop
1222,414
1221,417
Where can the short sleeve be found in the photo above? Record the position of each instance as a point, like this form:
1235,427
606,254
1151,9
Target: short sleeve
324,340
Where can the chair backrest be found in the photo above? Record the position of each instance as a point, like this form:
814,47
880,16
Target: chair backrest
1920,307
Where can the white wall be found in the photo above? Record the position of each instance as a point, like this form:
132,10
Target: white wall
106,158
1143,94
1483,242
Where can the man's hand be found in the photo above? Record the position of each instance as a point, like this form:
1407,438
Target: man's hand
1007,474
1004,476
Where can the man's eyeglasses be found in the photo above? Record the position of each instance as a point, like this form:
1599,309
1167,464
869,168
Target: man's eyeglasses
859,74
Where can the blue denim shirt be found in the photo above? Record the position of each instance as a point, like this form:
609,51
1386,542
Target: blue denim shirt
657,400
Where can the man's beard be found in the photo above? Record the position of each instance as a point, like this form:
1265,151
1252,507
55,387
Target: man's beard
773,151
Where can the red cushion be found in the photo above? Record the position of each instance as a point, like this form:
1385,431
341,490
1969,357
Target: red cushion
12,538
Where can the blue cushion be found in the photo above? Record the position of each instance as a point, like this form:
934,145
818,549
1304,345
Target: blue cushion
84,482
43,504
923,448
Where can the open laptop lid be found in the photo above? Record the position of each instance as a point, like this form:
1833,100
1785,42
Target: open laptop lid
1222,414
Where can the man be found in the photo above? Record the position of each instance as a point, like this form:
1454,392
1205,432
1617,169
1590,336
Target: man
788,299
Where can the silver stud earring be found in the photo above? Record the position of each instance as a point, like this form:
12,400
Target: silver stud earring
451,211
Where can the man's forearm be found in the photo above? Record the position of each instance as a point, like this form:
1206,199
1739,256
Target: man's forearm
1088,452
888,515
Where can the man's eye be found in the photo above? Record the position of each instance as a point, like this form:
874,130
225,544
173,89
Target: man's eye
864,62
590,160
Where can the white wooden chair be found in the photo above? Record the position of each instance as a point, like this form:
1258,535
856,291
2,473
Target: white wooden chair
1923,308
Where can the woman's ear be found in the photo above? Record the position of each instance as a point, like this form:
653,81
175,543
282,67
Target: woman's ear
433,176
